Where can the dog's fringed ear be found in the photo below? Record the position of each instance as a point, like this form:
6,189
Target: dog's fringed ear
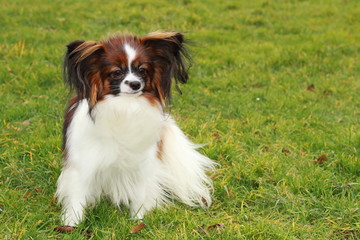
81,69
171,58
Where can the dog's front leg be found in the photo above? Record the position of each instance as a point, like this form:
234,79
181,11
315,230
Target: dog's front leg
148,192
72,192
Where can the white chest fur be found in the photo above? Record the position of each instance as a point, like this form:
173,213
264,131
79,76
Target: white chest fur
114,153
121,130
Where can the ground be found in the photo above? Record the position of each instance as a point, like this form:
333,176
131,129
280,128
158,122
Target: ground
273,92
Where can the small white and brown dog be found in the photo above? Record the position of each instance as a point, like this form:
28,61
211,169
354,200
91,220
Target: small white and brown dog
118,142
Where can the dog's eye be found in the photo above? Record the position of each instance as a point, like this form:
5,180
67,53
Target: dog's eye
117,74
142,71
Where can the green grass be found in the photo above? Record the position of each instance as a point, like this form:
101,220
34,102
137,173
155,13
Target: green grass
247,98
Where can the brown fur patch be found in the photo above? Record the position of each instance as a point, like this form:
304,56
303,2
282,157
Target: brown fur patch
152,99
86,49
160,35
159,152
69,114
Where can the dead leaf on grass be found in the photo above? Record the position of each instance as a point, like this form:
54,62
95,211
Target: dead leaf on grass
88,233
64,229
26,122
285,151
216,135
310,87
218,227
351,184
320,160
138,228
67,229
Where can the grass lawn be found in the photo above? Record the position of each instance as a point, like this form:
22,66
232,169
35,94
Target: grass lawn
274,86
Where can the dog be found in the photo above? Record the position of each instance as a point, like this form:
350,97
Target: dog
118,141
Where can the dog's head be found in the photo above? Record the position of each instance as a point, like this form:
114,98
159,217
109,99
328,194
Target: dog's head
126,64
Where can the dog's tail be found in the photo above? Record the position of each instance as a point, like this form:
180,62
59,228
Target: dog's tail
185,167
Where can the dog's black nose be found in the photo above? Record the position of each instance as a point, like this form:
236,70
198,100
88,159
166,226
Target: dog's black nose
135,85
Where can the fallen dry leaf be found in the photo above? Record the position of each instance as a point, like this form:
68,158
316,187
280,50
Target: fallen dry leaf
138,228
64,229
321,159
67,229
217,226
310,87
216,135
285,151
26,122
88,233
351,184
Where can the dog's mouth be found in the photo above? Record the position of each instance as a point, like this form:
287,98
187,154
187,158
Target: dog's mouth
138,92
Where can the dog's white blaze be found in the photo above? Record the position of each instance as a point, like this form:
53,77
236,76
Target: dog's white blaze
124,85
130,53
